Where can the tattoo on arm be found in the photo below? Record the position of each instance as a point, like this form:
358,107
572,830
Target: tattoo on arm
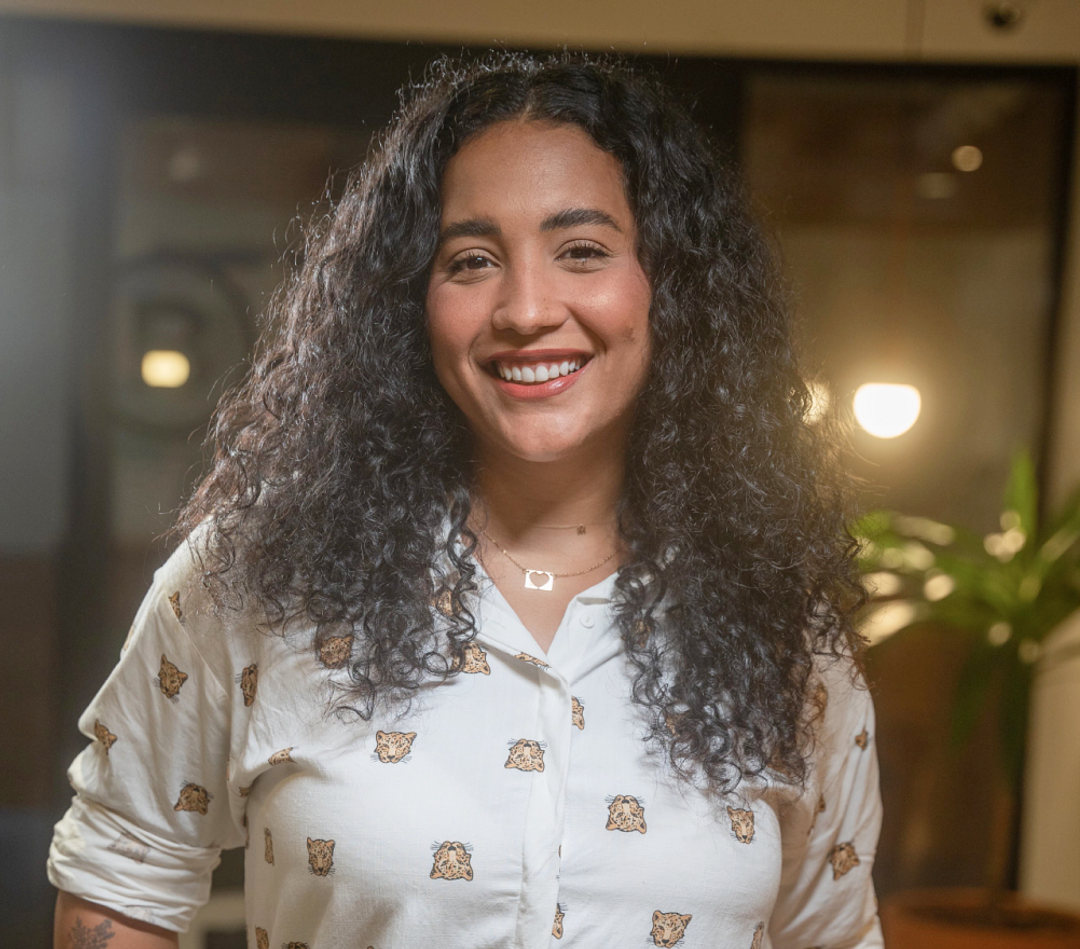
85,937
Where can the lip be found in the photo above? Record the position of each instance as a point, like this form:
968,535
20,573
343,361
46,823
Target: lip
543,390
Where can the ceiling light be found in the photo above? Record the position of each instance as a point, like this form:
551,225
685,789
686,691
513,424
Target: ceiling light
967,158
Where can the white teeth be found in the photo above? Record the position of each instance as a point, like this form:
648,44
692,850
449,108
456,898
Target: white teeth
537,373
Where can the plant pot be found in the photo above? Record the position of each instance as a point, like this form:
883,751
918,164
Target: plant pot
963,919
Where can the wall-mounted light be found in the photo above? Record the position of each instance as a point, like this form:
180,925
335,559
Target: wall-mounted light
887,410
967,158
165,368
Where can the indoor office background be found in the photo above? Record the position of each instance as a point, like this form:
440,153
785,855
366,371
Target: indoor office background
154,177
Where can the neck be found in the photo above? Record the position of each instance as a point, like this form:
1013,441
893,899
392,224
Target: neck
519,500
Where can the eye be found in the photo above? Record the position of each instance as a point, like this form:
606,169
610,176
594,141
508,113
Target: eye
469,262
582,254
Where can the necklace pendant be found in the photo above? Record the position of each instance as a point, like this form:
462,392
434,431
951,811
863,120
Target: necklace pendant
547,577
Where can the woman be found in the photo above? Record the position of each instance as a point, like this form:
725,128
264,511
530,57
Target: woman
516,607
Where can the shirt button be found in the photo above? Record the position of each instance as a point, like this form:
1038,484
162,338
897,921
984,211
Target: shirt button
587,621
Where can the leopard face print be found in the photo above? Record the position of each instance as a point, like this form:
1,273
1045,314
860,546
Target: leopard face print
742,824
668,928
335,651
577,712
249,683
106,737
862,739
262,939
557,928
526,755
174,602
281,757
627,815
843,859
452,862
759,935
193,797
268,846
473,661
391,747
170,678
525,657
321,856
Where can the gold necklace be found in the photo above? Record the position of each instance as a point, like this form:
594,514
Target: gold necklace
548,584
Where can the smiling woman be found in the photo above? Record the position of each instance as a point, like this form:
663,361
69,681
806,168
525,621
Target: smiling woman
523,492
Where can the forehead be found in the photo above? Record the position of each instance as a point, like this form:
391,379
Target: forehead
526,167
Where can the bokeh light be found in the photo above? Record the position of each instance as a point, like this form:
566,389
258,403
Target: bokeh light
887,410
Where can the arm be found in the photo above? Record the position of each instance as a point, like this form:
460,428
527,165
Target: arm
83,925
829,837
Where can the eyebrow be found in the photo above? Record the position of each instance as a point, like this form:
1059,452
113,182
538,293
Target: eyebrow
560,220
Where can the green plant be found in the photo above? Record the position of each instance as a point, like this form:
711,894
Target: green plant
1004,593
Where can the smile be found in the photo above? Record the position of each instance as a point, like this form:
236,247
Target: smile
535,373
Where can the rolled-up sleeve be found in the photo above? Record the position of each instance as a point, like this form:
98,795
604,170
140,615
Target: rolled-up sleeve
830,837
151,811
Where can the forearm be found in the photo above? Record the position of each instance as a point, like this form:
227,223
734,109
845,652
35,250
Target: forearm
80,924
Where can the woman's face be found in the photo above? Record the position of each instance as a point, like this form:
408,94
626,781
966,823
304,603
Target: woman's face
537,306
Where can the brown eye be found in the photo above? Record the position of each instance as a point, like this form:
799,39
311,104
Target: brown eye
470,262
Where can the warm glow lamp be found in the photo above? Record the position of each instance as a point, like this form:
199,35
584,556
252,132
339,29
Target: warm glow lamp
165,368
887,410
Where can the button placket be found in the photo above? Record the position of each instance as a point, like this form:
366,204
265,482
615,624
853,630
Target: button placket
545,814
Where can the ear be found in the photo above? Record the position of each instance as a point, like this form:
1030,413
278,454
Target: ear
309,841
411,735
686,919
330,844
380,736
656,916
730,812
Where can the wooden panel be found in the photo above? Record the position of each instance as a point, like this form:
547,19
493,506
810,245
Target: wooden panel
825,28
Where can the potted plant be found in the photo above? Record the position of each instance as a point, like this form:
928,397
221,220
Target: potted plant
1004,594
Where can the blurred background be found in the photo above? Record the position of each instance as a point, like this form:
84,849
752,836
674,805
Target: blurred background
916,160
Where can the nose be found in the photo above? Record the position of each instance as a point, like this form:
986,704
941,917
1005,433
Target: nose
527,304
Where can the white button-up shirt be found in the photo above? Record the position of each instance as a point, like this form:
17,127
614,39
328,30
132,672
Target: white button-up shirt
514,805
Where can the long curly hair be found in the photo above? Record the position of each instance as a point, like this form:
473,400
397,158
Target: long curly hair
340,489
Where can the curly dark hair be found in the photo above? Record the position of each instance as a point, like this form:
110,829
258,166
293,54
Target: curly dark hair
340,461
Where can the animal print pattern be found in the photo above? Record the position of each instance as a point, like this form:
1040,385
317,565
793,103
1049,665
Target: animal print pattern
759,935
106,737
391,747
742,824
821,804
262,938
128,846
268,846
297,945
193,797
668,928
642,631
862,739
627,815
526,755
525,657
280,757
452,862
249,683
174,602
170,678
556,929
335,651
843,859
444,602
320,855
577,712
244,792
475,660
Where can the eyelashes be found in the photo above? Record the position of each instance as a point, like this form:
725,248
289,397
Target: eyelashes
579,253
